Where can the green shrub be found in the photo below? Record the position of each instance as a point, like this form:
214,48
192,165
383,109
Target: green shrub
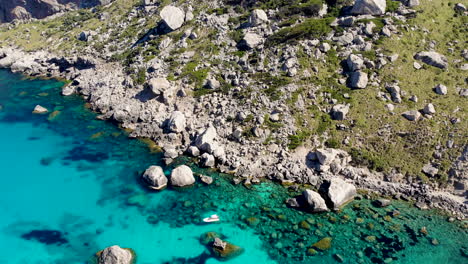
311,28
392,6
298,139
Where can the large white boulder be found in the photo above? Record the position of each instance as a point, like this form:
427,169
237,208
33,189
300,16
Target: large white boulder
173,17
205,140
258,17
358,80
115,255
182,176
315,202
251,41
338,192
155,178
158,85
176,122
369,7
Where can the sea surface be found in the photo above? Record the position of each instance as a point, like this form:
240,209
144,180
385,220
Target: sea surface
70,186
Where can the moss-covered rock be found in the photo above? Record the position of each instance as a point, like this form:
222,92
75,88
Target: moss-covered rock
323,244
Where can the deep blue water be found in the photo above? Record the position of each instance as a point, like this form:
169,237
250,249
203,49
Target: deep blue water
70,187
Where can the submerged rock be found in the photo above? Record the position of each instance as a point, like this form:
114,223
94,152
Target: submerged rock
115,255
155,178
182,176
224,250
40,110
323,244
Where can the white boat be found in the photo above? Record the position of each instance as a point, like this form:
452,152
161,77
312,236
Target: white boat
211,219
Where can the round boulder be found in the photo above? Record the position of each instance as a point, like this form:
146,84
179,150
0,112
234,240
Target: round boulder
182,176
155,178
115,255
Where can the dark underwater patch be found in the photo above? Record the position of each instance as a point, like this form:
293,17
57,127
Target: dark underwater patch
47,237
85,153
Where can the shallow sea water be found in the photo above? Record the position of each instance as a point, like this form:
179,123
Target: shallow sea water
70,187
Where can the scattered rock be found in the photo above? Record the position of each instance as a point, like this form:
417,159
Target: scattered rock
440,89
382,202
207,160
430,170
159,85
429,109
432,58
155,178
323,244
193,151
358,80
182,176
250,41
206,179
176,122
355,63
339,112
412,115
258,17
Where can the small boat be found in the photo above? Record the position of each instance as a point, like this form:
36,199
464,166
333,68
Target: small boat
211,219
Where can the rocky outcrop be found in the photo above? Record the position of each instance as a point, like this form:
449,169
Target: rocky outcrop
176,122
250,41
27,9
155,178
115,255
358,80
182,176
338,192
369,7
339,112
258,17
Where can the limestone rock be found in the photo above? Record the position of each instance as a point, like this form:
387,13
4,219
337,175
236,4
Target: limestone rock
207,160
339,112
250,41
155,178
432,58
441,89
176,122
115,255
193,151
369,7
206,139
258,17
429,109
358,80
182,176
314,201
412,115
355,63
158,85
338,192
173,17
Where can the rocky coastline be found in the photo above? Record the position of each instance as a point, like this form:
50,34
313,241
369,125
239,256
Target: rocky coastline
109,91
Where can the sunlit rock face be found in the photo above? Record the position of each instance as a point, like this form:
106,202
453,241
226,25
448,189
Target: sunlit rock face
27,9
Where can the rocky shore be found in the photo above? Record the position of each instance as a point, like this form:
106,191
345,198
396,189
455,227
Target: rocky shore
250,136
106,87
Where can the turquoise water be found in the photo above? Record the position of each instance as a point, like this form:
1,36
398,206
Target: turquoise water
70,187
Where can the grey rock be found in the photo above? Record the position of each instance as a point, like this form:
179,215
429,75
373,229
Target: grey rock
206,179
412,115
251,41
440,89
158,85
358,80
68,90
432,58
182,176
193,151
382,202
355,63
154,176
258,17
369,7
218,243
206,139
460,7
338,192
207,160
213,84
339,112
315,202
173,17
176,122
429,109
115,255
430,170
